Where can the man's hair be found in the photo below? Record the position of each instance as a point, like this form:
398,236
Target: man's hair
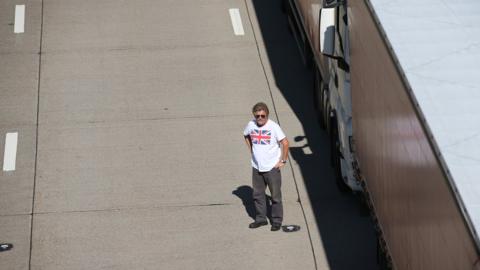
260,106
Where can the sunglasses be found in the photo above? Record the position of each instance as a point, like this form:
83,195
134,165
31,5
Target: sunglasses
258,116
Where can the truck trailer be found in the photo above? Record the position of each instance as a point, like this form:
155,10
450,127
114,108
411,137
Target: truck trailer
397,87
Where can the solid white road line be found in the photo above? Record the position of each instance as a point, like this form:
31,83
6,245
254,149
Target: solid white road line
10,155
19,19
236,21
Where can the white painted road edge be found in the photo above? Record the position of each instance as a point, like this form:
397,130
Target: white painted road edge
19,19
10,155
236,21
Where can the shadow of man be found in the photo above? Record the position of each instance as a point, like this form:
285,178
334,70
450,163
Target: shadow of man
245,193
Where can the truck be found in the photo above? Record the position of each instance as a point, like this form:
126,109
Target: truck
397,88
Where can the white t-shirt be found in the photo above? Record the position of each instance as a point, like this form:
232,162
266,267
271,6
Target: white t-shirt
265,146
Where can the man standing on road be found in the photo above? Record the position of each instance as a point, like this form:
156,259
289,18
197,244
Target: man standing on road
263,138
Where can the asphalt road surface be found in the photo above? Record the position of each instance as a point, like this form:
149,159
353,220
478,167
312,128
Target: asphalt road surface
125,146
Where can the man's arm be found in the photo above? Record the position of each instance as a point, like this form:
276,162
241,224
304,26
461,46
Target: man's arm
248,142
284,155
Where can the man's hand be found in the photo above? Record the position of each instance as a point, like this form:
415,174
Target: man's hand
284,155
279,165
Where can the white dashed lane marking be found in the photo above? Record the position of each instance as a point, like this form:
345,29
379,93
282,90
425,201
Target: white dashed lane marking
236,21
19,26
10,154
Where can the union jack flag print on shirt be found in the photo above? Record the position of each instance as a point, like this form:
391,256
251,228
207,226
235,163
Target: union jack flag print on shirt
260,136
264,140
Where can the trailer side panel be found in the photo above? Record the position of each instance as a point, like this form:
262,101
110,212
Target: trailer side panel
422,223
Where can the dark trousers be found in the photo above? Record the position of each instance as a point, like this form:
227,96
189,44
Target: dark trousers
272,179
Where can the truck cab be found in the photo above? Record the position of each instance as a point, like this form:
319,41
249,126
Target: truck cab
334,39
320,28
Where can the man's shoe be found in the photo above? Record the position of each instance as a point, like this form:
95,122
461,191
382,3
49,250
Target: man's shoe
257,224
275,227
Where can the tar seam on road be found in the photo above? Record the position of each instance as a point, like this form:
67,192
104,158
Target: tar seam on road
167,206
36,136
278,119
128,209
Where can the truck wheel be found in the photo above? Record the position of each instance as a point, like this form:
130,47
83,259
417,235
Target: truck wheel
318,98
333,141
326,106
327,109
336,158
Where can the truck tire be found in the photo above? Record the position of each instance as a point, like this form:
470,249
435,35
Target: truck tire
327,111
318,96
335,157
331,127
326,108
